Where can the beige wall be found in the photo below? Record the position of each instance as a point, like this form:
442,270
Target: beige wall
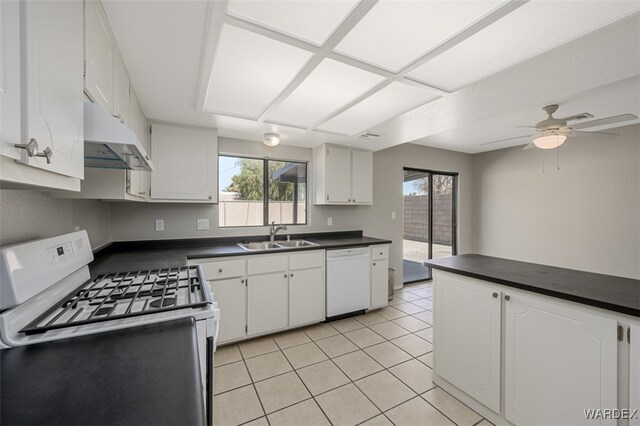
584,216
388,178
28,215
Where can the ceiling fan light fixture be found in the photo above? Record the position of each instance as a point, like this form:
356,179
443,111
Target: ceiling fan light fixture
271,139
549,141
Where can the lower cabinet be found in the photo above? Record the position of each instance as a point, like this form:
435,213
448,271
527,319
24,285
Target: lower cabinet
558,362
379,276
306,296
467,323
267,302
555,359
231,295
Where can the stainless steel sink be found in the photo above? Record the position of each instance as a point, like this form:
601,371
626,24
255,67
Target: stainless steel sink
264,245
268,245
295,243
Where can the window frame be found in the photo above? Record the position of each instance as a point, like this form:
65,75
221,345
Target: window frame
265,190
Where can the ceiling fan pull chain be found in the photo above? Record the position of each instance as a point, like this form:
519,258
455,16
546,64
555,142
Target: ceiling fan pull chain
558,157
542,151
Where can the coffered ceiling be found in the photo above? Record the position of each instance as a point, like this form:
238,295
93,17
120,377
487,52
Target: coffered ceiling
327,71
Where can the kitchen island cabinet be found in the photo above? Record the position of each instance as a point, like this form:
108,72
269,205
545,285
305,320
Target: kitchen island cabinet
532,344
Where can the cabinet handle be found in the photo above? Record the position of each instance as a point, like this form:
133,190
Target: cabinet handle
495,295
507,297
629,335
32,150
620,333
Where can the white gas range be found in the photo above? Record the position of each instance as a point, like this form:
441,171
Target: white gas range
47,293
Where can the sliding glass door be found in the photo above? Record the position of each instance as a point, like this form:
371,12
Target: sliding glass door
429,220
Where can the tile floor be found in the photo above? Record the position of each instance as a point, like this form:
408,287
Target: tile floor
373,369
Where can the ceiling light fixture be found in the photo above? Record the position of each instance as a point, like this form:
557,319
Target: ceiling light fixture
271,139
549,141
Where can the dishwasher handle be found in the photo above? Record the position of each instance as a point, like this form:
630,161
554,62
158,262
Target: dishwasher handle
349,252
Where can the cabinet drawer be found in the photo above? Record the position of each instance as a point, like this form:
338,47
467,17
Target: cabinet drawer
379,252
264,264
223,269
306,260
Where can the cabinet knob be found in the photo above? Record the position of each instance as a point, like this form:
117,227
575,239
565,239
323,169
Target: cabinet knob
291,275
285,275
507,297
374,263
142,193
242,281
220,270
495,295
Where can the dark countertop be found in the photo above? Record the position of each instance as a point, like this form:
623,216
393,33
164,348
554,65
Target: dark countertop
128,256
146,375
609,292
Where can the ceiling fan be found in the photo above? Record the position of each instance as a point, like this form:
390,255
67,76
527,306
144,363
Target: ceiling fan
553,132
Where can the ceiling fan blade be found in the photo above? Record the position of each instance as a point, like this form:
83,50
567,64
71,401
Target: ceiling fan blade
604,121
508,139
593,135
530,146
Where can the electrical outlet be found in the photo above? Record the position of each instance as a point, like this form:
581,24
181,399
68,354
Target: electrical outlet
159,224
393,215
329,221
76,228
203,224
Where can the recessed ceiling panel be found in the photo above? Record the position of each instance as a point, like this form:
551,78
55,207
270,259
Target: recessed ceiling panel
249,71
526,32
311,20
393,100
396,32
330,86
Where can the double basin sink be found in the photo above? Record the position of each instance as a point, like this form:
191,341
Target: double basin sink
275,245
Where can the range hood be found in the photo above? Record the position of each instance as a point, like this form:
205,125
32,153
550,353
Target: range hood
109,144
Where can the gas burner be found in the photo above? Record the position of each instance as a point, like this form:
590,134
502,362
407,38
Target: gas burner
167,301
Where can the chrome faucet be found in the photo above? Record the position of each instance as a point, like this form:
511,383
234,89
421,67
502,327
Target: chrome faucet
274,230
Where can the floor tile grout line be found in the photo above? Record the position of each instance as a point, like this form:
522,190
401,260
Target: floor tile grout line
456,399
255,390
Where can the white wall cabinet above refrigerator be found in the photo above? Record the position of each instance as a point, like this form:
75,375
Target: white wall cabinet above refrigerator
185,164
51,52
343,176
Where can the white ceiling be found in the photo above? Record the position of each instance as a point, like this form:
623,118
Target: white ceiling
453,74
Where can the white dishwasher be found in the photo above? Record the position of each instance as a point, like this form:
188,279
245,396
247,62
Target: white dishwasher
348,280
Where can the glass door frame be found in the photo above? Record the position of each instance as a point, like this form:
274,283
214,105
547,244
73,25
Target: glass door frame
454,208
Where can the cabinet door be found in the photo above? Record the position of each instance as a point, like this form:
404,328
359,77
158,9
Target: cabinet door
306,296
338,175
185,163
559,361
54,61
467,326
121,91
362,177
634,370
10,78
379,283
267,303
231,296
99,55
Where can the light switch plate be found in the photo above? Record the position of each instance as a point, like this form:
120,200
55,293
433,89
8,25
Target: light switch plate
393,215
329,221
203,224
159,224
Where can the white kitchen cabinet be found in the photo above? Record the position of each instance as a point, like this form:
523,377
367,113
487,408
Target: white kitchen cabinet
558,361
137,181
53,52
10,133
379,276
633,339
267,302
231,295
306,288
121,90
342,176
467,337
185,163
99,56
361,177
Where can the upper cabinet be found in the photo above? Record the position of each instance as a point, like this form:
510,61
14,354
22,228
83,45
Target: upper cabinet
51,114
185,163
99,56
121,91
343,176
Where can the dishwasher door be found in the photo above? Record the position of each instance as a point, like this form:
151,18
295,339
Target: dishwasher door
348,280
